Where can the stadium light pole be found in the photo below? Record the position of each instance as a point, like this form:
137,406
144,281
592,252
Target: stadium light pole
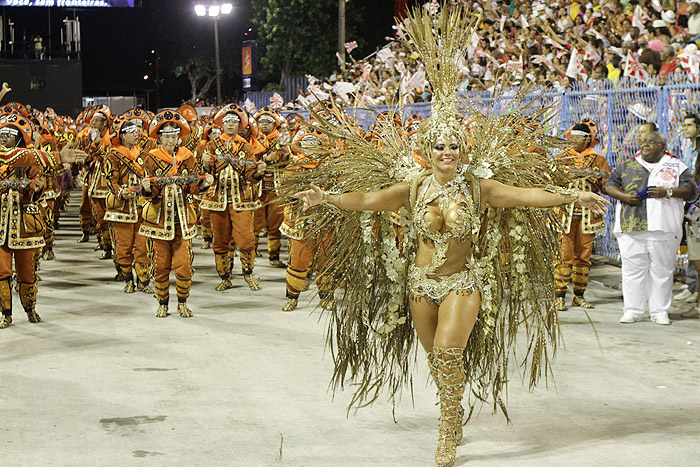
341,33
214,11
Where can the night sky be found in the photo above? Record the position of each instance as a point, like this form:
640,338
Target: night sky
117,42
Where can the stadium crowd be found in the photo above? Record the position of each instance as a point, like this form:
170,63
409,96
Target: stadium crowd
553,43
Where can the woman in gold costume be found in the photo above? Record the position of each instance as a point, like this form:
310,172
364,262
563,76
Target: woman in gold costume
476,257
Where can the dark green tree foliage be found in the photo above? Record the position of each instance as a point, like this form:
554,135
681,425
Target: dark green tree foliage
298,37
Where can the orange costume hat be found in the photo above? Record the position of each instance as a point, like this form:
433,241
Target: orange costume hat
206,134
189,112
141,114
119,126
16,108
592,131
231,109
18,124
307,144
103,110
214,111
413,122
389,117
271,113
84,116
168,116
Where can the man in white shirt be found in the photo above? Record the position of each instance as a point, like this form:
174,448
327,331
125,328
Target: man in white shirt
650,188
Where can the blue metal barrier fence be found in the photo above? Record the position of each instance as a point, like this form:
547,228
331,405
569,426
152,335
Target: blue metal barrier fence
618,109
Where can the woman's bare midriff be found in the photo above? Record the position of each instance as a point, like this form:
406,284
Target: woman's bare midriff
458,254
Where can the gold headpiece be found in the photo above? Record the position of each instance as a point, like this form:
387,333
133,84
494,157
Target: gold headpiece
440,39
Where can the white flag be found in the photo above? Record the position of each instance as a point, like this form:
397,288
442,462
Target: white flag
592,55
575,69
635,69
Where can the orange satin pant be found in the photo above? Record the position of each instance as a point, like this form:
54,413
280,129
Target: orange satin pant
101,225
24,263
576,246
271,213
85,211
233,225
301,254
129,246
172,255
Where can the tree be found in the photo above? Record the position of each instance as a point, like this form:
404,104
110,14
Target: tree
200,70
295,37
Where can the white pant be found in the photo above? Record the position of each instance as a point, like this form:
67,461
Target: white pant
648,262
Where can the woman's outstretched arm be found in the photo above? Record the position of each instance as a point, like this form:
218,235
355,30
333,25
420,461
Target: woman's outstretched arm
500,195
388,199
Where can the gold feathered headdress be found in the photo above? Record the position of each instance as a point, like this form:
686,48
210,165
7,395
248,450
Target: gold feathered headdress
439,39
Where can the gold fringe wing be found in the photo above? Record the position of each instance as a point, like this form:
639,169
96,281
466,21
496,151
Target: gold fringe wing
370,333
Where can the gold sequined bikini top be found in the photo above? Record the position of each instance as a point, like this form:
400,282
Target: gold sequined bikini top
456,214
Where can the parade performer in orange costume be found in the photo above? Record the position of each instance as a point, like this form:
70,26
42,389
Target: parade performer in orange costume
580,224
169,217
21,222
211,132
123,168
307,145
94,141
234,196
275,139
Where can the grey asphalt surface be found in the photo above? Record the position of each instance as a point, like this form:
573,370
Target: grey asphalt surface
102,382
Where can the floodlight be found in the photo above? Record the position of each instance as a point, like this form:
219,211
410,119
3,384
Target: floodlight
214,10
226,9
201,10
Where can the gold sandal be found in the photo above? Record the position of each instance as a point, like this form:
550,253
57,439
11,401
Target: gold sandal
183,311
162,311
559,304
581,303
5,321
252,282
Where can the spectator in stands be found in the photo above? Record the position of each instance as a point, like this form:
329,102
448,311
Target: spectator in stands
649,230
693,17
691,131
652,60
668,61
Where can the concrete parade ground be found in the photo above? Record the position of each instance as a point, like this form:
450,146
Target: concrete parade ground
102,382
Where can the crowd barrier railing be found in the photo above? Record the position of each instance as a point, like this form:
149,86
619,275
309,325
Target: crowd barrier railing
618,110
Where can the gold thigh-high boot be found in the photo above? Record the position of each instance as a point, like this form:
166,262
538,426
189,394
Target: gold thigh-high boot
295,282
163,296
433,366
143,277
451,377
128,274
5,302
223,269
27,295
183,292
247,264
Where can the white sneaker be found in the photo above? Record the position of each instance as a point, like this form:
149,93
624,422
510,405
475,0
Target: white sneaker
692,298
628,318
662,319
684,294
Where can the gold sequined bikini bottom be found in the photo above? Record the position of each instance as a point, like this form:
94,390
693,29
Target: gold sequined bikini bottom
436,289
